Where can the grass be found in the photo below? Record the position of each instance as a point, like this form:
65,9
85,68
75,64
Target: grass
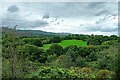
66,43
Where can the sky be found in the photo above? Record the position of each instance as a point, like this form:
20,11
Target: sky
99,18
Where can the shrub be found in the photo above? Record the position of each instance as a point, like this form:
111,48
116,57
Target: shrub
80,62
104,74
55,39
64,61
55,49
34,53
83,73
92,56
53,72
33,41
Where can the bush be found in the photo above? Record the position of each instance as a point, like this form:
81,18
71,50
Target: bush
64,61
51,58
34,53
92,56
33,41
55,39
53,72
84,73
104,74
55,49
84,51
80,62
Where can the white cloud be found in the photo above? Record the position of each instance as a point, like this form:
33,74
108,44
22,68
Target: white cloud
83,17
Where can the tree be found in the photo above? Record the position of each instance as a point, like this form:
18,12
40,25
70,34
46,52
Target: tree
33,41
73,51
92,56
37,42
12,55
80,61
73,48
104,74
55,39
113,37
55,49
64,61
84,51
53,73
51,58
34,53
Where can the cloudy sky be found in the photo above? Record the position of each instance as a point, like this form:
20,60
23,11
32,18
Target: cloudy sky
71,17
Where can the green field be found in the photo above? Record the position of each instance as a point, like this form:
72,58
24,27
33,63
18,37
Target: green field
66,43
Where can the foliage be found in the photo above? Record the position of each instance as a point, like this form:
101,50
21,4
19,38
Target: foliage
55,49
73,51
46,41
73,73
107,58
13,60
80,62
51,58
92,57
84,51
64,61
66,43
69,59
34,53
55,39
105,74
75,56
91,39
33,41
84,72
53,72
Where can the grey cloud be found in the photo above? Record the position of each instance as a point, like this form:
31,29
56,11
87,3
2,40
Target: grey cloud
105,18
107,29
96,4
102,12
58,23
39,23
56,19
101,28
74,9
12,9
99,21
46,16
107,8
24,24
81,25
11,19
110,30
16,19
51,21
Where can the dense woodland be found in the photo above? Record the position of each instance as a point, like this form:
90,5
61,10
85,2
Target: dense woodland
25,57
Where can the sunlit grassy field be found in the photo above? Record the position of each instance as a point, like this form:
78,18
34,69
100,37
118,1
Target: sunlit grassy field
66,43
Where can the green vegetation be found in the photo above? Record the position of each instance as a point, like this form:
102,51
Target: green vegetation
65,43
71,57
33,41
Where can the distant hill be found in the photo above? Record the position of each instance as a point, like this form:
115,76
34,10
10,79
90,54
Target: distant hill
31,33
